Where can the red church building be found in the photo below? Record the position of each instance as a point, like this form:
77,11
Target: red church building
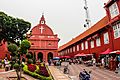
102,36
44,43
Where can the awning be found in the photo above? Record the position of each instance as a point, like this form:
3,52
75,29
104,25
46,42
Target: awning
106,52
89,54
115,52
56,58
80,54
65,57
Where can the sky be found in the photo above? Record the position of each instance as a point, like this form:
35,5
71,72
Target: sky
65,17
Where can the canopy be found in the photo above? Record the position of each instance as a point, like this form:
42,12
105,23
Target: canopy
56,58
106,52
117,52
80,54
65,57
89,54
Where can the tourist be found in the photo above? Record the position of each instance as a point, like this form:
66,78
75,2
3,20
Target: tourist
102,63
7,66
49,62
94,62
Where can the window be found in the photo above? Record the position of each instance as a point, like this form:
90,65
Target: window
74,49
68,50
113,10
92,43
77,47
98,41
116,29
106,38
86,44
82,46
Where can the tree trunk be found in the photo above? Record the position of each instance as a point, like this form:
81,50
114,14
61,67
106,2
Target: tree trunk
18,76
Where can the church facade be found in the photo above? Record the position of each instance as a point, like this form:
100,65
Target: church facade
44,43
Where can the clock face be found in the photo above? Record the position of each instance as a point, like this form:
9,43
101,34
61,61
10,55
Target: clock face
42,22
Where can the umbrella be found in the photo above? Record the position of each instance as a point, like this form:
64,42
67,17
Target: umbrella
56,58
65,57
117,52
82,54
89,54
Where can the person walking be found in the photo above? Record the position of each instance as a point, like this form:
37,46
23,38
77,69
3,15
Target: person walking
102,62
7,65
94,62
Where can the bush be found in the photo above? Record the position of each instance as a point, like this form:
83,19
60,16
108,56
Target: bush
43,71
34,74
16,65
30,61
31,67
37,69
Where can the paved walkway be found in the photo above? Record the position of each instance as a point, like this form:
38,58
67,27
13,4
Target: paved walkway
57,74
97,73
5,74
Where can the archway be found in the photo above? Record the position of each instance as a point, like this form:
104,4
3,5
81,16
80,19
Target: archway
40,56
31,54
49,56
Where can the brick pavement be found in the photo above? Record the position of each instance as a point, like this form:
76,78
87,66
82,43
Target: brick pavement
5,74
97,73
57,74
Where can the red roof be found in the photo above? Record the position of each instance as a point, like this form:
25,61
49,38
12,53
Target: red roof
99,25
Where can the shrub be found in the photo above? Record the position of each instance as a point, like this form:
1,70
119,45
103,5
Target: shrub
31,67
30,61
34,74
37,69
16,65
43,71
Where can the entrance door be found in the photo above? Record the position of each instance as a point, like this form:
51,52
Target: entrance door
40,56
50,56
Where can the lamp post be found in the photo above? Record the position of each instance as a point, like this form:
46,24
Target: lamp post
87,20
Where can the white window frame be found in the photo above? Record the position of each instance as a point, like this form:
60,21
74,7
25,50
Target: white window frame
92,43
73,48
68,50
82,46
77,47
116,29
98,42
106,38
86,44
113,9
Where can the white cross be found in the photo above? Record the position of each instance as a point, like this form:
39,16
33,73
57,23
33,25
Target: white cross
41,29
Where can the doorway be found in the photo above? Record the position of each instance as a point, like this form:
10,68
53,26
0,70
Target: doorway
40,56
50,56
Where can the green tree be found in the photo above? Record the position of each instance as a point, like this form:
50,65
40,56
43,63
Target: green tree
23,48
12,29
13,49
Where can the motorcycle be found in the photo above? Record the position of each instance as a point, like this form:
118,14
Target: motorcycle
84,75
66,70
